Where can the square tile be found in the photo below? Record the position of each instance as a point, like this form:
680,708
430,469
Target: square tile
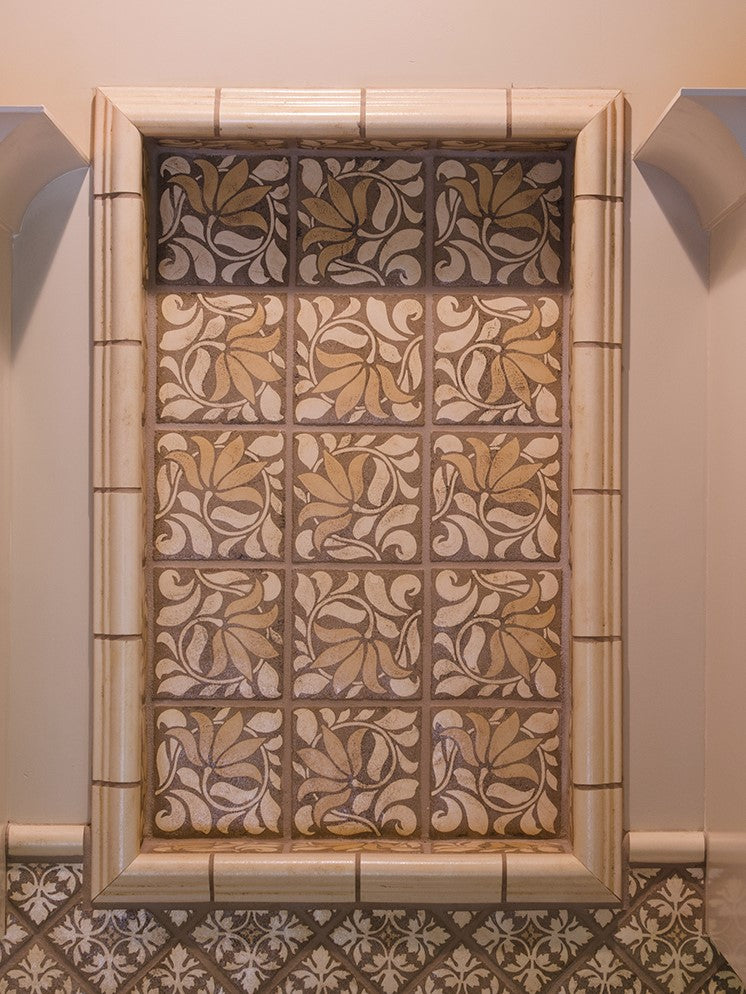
497,633
359,359
495,772
218,771
498,360
218,633
357,634
222,219
356,772
357,497
496,496
219,495
499,221
361,221
221,357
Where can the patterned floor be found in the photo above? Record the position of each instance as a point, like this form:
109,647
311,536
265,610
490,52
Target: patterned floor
56,943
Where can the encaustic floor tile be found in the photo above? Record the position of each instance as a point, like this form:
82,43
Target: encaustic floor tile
40,889
218,771
359,359
221,357
223,219
178,973
357,634
320,973
461,971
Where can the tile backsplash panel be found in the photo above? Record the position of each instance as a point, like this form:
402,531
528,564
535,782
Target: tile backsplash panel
357,413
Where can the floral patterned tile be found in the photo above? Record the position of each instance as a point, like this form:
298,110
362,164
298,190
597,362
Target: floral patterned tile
41,889
218,771
499,221
219,495
359,359
178,973
498,360
356,772
221,357
320,973
461,973
496,496
497,633
361,221
218,633
357,497
604,971
12,936
724,981
495,772
38,973
357,634
223,219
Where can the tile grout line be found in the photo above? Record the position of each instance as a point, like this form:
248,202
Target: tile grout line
216,112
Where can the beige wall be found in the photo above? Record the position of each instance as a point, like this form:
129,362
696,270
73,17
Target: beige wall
55,54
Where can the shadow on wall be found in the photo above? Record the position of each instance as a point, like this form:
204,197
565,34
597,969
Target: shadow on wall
680,213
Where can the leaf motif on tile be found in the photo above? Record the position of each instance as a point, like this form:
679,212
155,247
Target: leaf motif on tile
498,221
355,771
40,889
218,771
219,495
13,936
358,497
320,973
461,973
359,359
357,634
498,360
223,219
361,221
496,496
38,973
497,633
221,357
178,973
495,772
604,972
218,633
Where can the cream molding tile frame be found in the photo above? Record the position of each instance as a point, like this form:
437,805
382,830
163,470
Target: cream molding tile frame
123,874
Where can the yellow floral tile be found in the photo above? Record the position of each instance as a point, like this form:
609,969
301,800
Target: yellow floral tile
499,221
496,496
222,218
357,634
357,497
498,360
218,771
361,221
221,357
497,633
219,495
495,772
218,633
356,772
359,359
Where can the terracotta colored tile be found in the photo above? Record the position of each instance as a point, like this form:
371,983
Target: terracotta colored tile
496,496
357,634
497,633
356,772
495,772
219,495
498,221
498,360
361,221
222,219
218,771
359,360
221,357
357,497
218,633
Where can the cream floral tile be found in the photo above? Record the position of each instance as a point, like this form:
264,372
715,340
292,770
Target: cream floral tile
38,973
12,937
361,221
219,495
218,633
357,497
223,219
178,973
356,772
320,973
495,772
218,771
498,360
221,357
499,221
497,633
357,634
496,496
461,973
604,971
724,981
359,359
41,889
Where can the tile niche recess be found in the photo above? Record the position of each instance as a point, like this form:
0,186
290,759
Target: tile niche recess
357,469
